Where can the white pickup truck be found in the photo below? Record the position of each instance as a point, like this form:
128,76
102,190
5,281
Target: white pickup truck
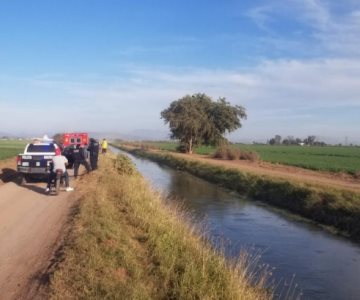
35,161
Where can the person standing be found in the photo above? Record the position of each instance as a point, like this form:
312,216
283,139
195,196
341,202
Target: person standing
104,146
80,159
94,153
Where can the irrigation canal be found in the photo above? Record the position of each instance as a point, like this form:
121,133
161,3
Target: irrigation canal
325,266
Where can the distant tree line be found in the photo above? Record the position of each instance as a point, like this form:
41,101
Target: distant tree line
290,140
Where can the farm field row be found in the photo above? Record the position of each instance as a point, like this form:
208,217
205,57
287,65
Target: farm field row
9,148
329,158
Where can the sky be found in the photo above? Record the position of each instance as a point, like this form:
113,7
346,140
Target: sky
110,67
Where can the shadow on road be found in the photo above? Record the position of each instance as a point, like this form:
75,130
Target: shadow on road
31,183
8,175
35,188
11,175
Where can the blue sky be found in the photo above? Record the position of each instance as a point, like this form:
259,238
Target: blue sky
112,66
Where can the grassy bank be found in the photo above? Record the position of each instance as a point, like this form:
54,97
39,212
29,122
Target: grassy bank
128,244
339,209
10,148
331,158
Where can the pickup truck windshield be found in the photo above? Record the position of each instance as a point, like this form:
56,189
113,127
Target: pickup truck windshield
41,148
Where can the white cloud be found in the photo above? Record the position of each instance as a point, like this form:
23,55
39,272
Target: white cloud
316,13
334,26
290,97
262,16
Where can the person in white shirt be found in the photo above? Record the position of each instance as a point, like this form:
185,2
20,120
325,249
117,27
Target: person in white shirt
59,162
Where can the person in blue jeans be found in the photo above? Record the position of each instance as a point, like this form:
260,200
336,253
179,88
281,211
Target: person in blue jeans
58,162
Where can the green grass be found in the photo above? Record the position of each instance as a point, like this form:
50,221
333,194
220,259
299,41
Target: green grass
127,243
10,148
330,158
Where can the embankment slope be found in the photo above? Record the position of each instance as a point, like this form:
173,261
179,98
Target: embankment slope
127,243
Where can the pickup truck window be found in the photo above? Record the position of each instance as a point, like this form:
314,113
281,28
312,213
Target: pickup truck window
41,148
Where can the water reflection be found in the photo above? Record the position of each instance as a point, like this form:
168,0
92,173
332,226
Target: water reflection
326,266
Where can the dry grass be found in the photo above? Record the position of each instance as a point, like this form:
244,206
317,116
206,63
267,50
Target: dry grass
127,244
232,153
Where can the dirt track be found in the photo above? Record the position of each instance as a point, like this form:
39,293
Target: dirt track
300,175
31,226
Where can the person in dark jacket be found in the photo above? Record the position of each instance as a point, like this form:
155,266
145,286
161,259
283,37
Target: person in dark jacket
80,159
94,153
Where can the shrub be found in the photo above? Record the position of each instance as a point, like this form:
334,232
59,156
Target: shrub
221,152
181,148
249,155
232,153
227,152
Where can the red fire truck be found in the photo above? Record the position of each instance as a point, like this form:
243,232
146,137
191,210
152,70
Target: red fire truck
75,138
70,141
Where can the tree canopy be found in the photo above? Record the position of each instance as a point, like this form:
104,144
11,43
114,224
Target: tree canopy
58,138
197,119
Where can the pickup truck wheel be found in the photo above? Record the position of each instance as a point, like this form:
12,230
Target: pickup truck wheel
21,179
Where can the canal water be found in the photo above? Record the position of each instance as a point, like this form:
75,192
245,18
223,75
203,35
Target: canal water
324,266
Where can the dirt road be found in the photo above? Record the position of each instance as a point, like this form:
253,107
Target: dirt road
31,226
343,181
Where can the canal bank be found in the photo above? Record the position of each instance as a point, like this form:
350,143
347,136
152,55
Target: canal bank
325,266
339,209
126,242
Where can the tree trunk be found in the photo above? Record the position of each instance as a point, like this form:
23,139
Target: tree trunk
190,145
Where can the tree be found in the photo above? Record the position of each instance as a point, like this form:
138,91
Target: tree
197,119
310,140
298,141
290,140
58,138
277,139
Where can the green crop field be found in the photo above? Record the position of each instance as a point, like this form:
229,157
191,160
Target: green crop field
330,158
10,148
